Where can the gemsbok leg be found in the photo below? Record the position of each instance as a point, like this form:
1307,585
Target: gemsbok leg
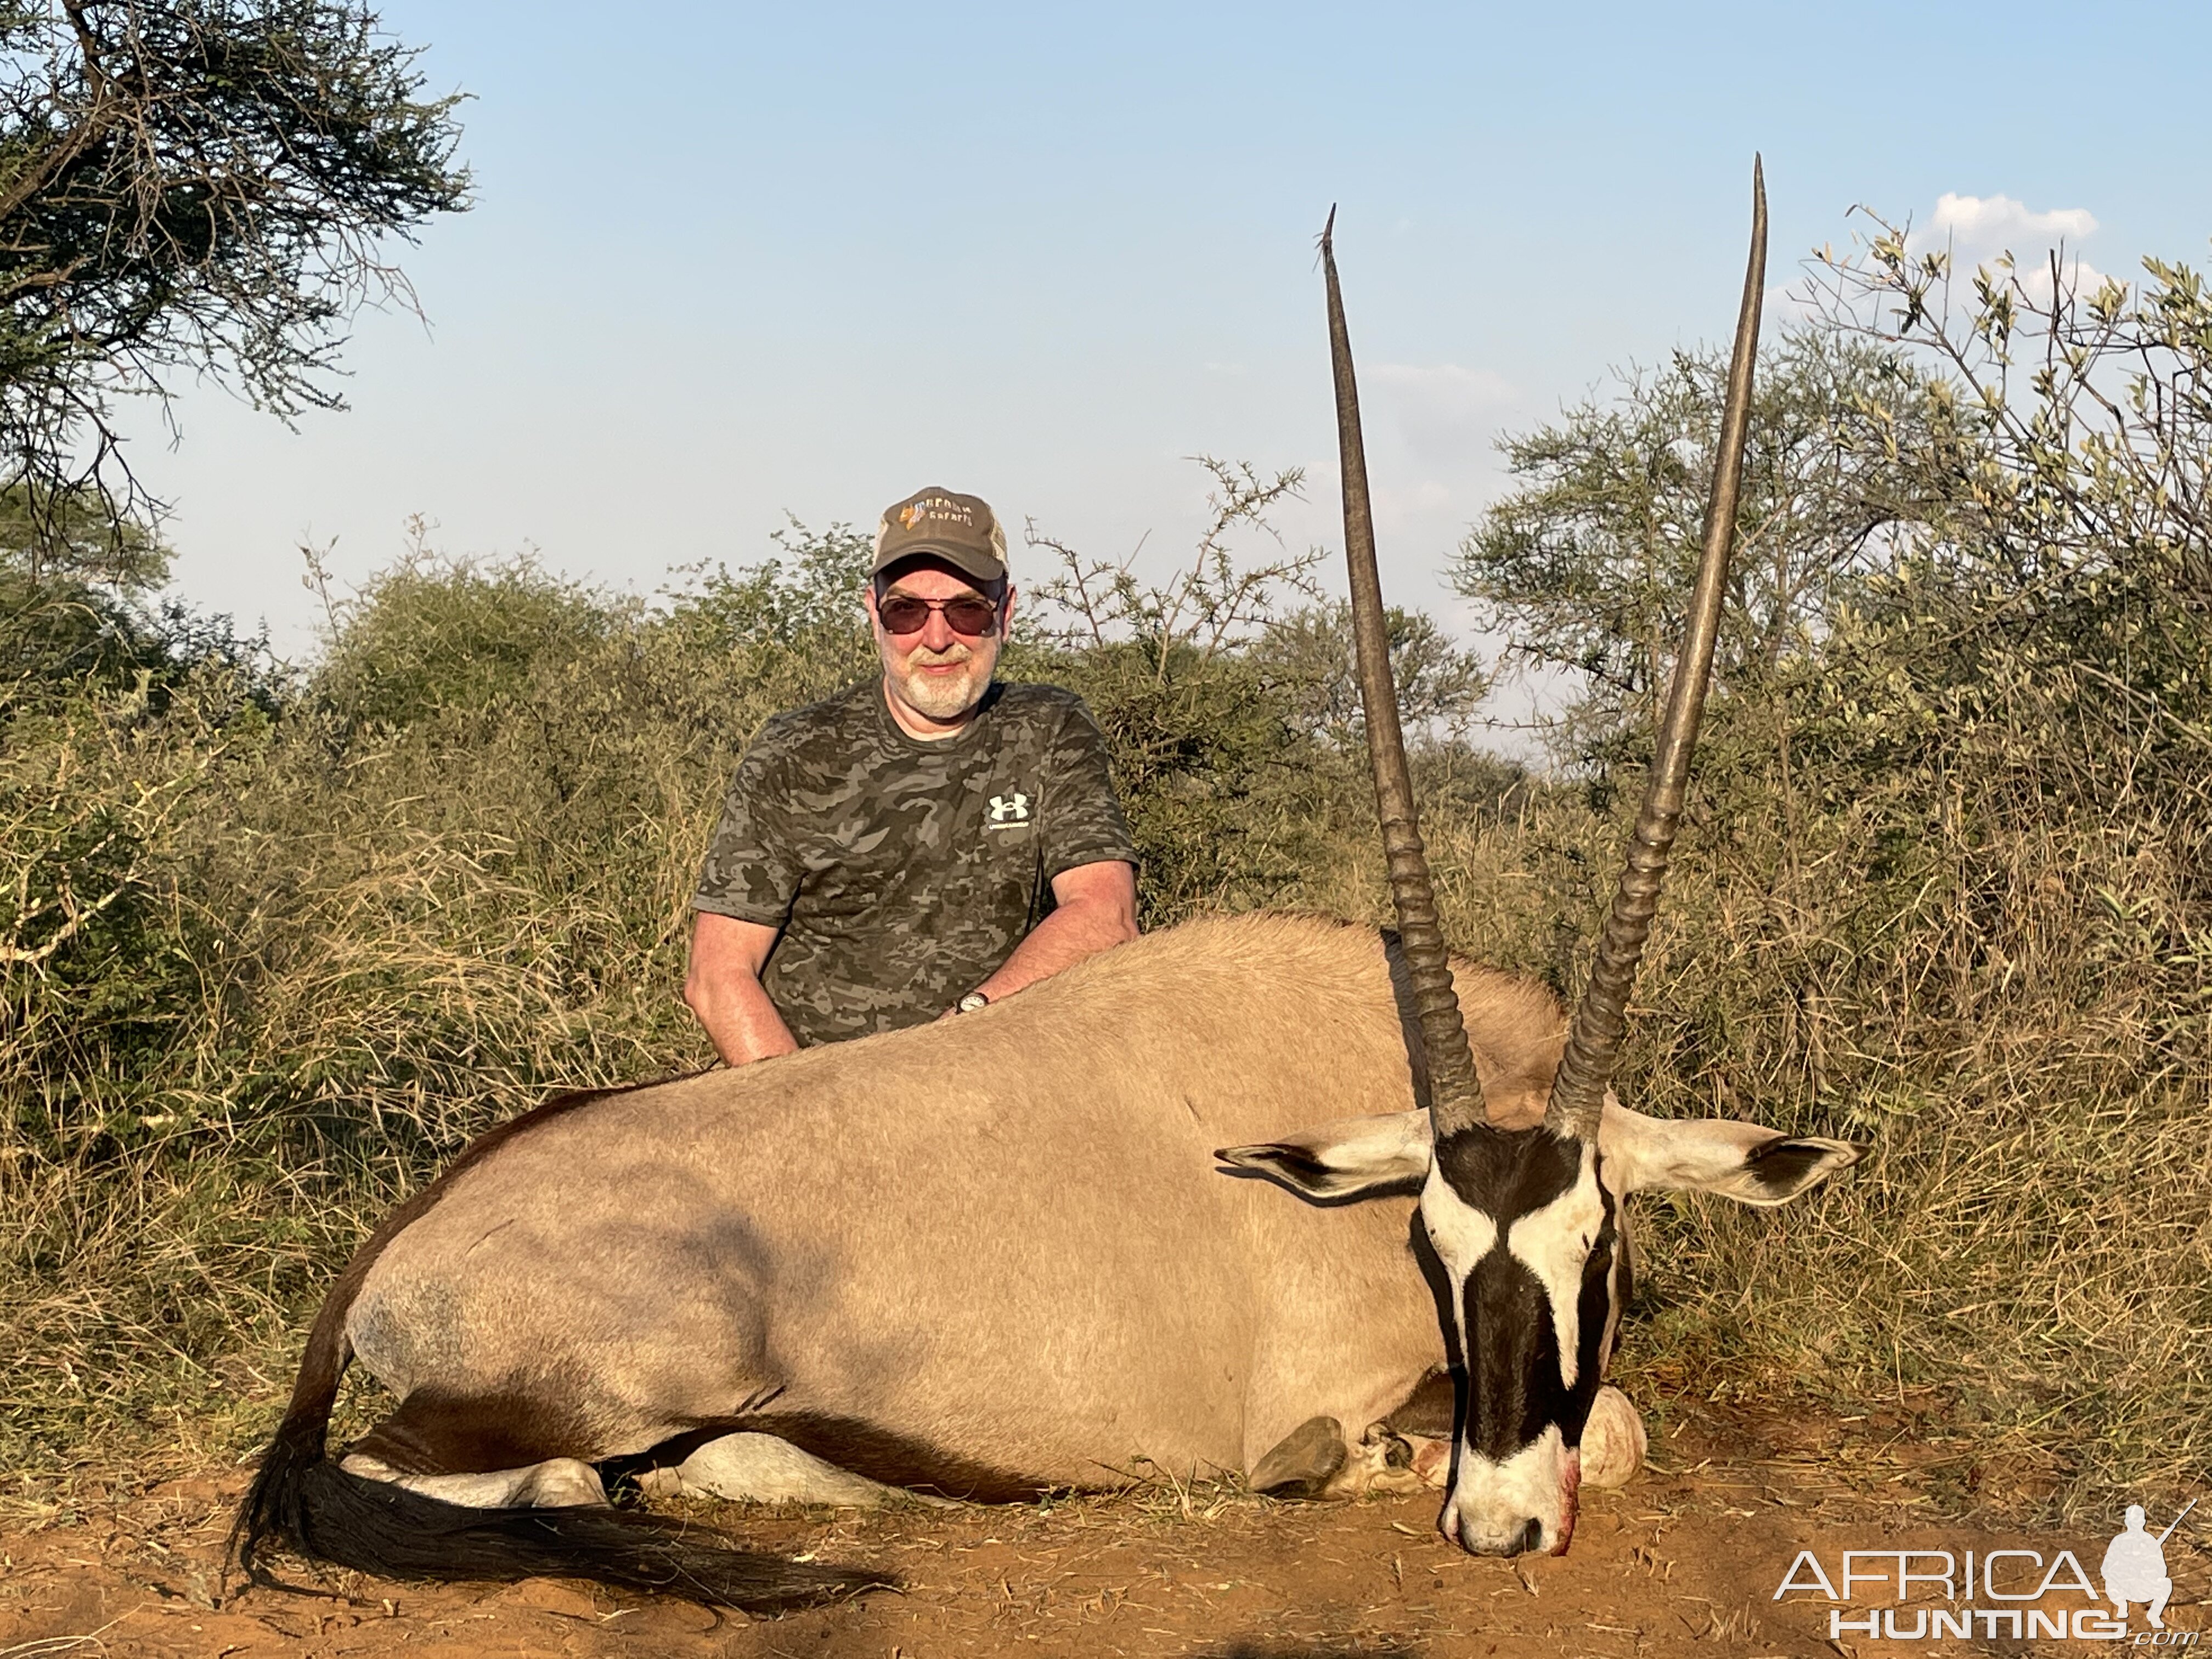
765,1468
556,1483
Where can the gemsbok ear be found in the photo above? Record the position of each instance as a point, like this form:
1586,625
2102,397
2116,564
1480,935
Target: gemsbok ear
1354,1158
1741,1161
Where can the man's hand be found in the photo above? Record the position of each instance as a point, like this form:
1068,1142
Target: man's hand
1094,909
724,988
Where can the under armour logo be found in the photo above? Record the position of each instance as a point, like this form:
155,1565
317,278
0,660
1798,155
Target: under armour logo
1009,811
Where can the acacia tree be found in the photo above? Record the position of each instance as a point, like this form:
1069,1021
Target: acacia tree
1309,654
1587,564
189,188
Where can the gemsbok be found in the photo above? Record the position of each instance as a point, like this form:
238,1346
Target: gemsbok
1002,1254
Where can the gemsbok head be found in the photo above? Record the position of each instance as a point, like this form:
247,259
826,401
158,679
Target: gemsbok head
1523,1216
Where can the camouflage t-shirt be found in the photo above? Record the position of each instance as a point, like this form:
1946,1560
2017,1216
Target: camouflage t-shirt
903,873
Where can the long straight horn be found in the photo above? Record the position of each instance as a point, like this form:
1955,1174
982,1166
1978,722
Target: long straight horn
1594,1044
1455,1095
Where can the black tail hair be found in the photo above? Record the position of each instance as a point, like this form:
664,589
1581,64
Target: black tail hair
299,1497
384,1530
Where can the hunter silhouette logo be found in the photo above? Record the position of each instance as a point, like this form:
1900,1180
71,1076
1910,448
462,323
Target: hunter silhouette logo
1009,811
2134,1568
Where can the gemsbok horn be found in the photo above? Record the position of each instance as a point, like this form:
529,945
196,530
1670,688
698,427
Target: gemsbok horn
1593,1041
1455,1094
1577,1095
1524,1222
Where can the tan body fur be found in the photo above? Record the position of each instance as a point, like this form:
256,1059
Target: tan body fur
1001,1239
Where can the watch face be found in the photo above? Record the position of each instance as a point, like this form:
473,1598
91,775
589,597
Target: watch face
972,1001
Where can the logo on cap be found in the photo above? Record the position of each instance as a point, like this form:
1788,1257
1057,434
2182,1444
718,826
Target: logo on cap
960,529
935,506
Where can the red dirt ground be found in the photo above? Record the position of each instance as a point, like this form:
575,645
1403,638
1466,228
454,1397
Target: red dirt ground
1684,1560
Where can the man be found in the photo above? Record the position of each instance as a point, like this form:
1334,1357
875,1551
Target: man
924,844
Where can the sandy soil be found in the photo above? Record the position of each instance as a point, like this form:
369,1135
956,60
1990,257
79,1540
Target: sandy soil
1684,1560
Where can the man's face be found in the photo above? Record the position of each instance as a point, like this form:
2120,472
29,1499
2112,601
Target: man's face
937,672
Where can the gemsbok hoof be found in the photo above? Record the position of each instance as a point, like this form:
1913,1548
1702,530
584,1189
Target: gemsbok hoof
1304,1461
1612,1441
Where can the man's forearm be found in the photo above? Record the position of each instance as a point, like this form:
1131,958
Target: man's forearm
724,989
742,1021
1060,940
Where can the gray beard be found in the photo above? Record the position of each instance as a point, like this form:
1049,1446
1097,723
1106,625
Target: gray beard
943,700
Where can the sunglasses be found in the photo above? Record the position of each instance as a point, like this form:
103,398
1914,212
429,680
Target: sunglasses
970,614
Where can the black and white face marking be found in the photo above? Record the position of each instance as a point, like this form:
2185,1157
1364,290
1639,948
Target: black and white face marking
1529,1241
1522,1241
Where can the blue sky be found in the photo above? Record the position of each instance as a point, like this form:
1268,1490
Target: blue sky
734,261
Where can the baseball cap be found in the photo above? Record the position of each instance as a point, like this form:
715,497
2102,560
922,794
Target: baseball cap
961,530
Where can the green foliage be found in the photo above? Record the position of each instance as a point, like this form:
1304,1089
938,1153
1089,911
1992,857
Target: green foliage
1440,685
431,637
71,581
71,535
2063,590
113,724
807,599
97,981
794,622
1208,755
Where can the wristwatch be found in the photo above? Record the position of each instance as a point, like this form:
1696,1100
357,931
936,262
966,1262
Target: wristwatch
971,1002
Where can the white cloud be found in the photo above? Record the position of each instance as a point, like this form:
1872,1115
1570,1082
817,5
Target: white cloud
1977,229
1997,222
1794,300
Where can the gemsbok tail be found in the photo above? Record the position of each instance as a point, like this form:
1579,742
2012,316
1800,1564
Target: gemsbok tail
301,1497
